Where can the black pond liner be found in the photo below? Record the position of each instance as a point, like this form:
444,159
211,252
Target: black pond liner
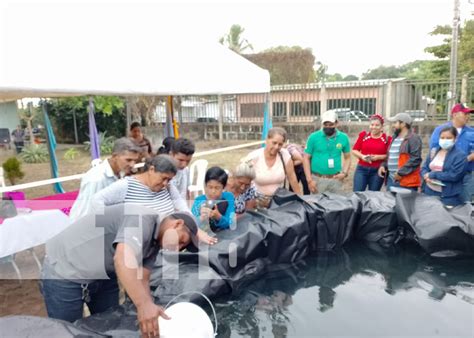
30,326
280,239
438,230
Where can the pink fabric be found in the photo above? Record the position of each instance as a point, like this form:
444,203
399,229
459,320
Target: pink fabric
63,202
18,198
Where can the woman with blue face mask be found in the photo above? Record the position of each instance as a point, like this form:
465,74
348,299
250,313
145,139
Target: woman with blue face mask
444,169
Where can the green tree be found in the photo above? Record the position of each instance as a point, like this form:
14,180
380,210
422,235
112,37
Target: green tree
234,40
110,116
334,77
382,72
442,51
12,169
350,78
425,69
287,65
465,49
320,73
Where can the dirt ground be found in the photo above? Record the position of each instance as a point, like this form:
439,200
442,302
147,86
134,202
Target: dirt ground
23,297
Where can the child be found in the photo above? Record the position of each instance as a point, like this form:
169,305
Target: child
217,205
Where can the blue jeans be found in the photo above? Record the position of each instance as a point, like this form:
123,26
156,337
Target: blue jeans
450,201
65,299
367,177
396,184
468,188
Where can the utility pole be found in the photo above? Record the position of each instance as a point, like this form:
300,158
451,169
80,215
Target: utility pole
453,68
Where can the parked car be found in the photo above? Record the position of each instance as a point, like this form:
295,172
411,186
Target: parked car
39,135
340,112
356,116
5,139
347,115
206,119
417,115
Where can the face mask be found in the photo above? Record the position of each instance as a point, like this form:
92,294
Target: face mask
446,144
329,131
396,132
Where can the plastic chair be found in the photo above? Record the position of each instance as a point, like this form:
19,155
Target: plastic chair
96,162
18,198
11,260
197,186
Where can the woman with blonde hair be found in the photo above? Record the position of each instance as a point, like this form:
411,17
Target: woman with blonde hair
272,165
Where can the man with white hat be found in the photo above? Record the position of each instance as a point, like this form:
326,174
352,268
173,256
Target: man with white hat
324,168
464,141
402,167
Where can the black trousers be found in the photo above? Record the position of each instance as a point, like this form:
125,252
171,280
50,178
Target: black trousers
300,176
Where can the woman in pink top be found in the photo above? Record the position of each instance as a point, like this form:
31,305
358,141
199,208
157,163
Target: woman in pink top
273,165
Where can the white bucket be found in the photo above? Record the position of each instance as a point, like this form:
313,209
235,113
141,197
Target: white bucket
187,320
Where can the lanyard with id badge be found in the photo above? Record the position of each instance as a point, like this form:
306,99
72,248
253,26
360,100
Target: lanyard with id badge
330,163
330,148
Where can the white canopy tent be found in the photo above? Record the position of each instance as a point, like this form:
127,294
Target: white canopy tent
65,50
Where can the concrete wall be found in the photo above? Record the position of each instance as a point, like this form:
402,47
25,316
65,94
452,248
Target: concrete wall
9,116
253,131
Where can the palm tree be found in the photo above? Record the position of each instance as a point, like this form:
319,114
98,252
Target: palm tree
233,40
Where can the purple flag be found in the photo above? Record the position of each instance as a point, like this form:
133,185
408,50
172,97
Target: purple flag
93,135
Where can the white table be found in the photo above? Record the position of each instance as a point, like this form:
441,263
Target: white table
29,230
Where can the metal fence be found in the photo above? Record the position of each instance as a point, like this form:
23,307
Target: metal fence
430,97
355,100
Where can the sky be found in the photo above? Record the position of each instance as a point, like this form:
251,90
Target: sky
350,37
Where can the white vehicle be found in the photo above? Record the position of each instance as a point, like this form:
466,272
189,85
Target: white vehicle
347,115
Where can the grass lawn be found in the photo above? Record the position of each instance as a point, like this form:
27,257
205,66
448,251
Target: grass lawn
41,171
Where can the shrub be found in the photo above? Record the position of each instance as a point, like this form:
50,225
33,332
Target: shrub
12,170
106,144
71,154
35,154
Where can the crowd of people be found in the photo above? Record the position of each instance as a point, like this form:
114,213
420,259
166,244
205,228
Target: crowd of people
83,267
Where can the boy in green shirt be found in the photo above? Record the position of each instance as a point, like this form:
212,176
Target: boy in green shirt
323,165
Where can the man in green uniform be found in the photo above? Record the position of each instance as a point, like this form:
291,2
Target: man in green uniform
323,162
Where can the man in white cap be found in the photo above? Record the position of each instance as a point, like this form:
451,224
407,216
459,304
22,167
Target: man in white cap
324,168
402,167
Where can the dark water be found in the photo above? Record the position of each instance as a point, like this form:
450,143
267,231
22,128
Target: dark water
359,291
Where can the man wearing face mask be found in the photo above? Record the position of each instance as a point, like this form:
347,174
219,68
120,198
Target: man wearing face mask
464,142
323,166
402,168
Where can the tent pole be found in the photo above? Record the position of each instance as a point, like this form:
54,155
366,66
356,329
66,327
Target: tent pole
220,103
173,121
129,114
51,144
76,137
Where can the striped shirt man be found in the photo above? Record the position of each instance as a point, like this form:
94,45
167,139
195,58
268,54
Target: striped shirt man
393,155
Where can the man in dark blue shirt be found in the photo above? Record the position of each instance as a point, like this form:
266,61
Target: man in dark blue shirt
464,142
